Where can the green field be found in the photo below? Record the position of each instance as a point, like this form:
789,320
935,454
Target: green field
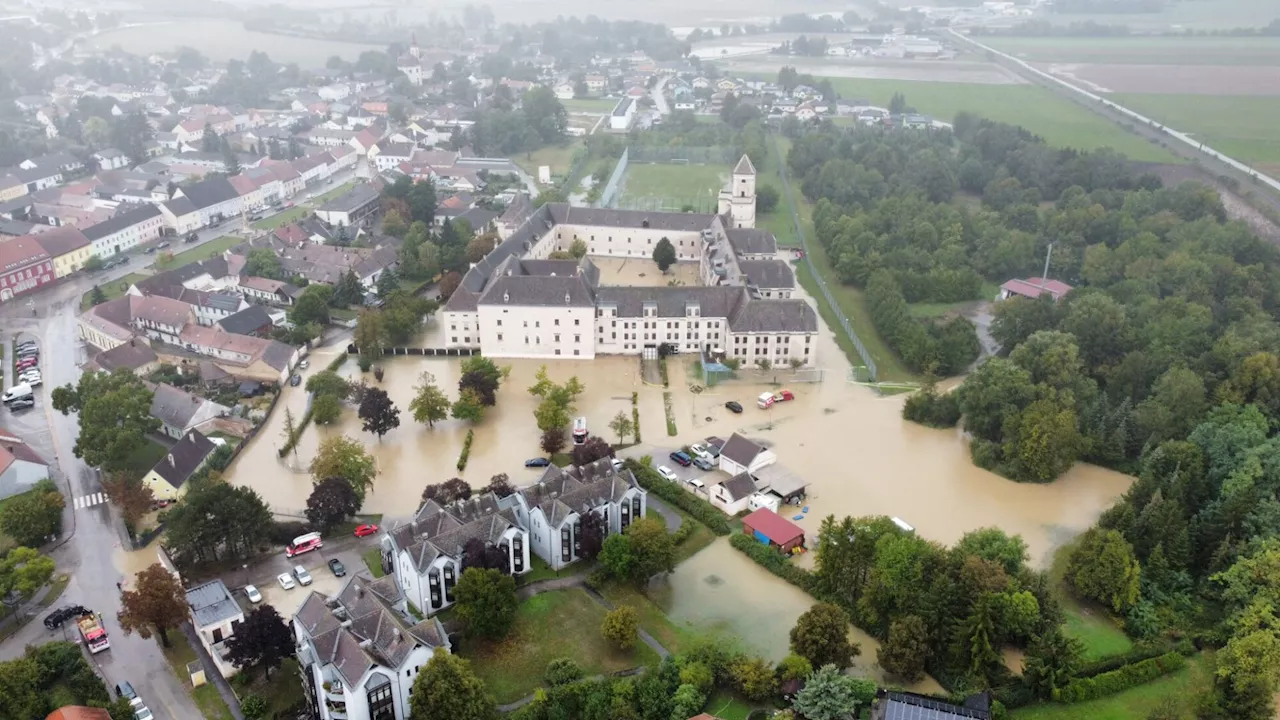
1142,50
1184,686
558,157
213,248
1089,623
591,105
1184,15
293,214
562,623
1059,121
1243,127
671,187
113,289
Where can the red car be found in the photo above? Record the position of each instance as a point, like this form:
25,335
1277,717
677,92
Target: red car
364,530
28,363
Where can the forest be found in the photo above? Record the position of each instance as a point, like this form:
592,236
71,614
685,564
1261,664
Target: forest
1161,362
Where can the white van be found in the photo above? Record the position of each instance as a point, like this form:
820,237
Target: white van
21,390
765,400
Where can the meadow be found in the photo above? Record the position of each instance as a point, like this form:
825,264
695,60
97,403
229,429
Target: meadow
1151,50
656,185
1243,127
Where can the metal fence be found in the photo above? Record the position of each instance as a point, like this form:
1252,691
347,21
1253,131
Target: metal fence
813,271
693,155
613,188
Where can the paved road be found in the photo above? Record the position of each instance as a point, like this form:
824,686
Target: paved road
659,99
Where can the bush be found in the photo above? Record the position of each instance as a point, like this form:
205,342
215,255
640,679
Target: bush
562,671
685,530
927,407
774,561
466,451
283,532
701,510
620,627
635,414
1136,655
1110,683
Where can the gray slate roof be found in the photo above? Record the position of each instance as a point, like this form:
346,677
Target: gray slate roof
685,222
183,458
739,486
752,241
744,166
792,315
209,192
246,321
712,302
563,491
173,406
352,200
212,604
769,274
121,220
740,450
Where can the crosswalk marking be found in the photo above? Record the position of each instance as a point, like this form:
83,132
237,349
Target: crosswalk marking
85,501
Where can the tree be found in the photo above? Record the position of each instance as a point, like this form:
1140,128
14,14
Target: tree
553,440
620,626
906,651
754,678
616,558
24,570
482,376
447,492
429,405
591,534
499,485
794,667
115,416
331,502
469,406
767,198
561,671
379,414
664,254
127,492
993,544
978,641
821,635
387,283
1042,442
253,707
32,517
263,262
652,549
158,604
448,688
393,223
448,284
325,410
263,640
349,291
590,451
829,695
479,246
312,306
549,195
621,426
486,602
96,296
209,141
340,456
1103,568
216,521
328,382
578,248
1052,660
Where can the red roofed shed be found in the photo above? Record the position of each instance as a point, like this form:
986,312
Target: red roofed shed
771,528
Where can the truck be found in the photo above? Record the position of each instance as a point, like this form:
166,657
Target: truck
95,636
767,399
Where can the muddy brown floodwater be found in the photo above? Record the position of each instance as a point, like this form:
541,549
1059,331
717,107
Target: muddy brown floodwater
847,441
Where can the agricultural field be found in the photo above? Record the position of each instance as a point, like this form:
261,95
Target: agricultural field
1059,121
1183,15
1156,50
1242,127
671,187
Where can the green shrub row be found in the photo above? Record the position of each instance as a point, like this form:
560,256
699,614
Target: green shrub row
466,451
670,413
635,414
701,510
662,368
1136,655
337,362
775,562
297,434
684,531
1110,683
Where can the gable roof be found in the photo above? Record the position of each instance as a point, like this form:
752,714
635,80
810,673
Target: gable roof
121,220
909,706
740,450
773,526
61,240
78,712
246,321
751,241
174,406
184,458
739,486
211,604
768,273
207,193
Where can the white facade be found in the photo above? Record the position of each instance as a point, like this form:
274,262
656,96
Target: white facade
533,332
619,241
129,237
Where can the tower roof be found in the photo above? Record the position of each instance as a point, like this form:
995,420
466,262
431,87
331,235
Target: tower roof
744,166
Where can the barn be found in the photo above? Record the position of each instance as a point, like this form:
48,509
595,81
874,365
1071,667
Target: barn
774,530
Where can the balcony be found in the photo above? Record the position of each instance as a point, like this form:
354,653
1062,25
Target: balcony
337,711
333,693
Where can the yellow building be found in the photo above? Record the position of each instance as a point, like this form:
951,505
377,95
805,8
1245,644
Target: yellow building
168,479
11,188
68,247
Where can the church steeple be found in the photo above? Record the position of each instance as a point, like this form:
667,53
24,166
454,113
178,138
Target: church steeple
413,45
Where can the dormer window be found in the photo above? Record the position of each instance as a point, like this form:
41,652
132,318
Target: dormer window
506,296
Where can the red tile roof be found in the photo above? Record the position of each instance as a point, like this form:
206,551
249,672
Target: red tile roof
775,527
1035,287
20,252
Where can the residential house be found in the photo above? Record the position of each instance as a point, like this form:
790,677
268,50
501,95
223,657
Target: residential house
37,178
24,266
387,155
427,554
110,159
125,230
169,477
242,355
68,247
1033,288
893,705
254,320
360,652
349,208
78,712
733,494
21,467
276,292
216,615
11,188
200,204
180,412
135,355
551,510
740,455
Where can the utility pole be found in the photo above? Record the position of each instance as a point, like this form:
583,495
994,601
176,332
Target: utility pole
1044,278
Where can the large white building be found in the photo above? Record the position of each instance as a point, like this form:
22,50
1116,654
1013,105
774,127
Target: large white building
517,302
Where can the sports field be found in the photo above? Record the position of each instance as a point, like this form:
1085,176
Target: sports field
1154,50
1243,127
1059,121
658,186
599,106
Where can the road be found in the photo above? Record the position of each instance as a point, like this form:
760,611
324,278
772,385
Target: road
659,98
95,555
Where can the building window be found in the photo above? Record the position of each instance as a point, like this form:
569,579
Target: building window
557,322
557,337
381,704
499,337
499,322
577,321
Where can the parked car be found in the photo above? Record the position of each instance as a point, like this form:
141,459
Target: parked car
734,406
337,568
143,713
363,530
703,464
304,577
617,464
151,250
667,473
695,483
31,377
681,459
25,345
25,403
252,593
286,581
163,245
295,381
536,462
304,364
55,619
125,690
699,450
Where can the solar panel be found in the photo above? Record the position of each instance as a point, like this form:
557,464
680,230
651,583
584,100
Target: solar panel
914,707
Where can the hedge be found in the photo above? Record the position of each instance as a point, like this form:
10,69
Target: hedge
1136,655
466,451
635,415
1110,683
701,510
775,562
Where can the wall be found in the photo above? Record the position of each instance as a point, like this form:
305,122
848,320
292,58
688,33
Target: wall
633,334
532,331
618,241
128,238
777,348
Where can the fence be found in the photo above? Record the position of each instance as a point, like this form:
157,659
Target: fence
691,154
613,188
429,352
813,271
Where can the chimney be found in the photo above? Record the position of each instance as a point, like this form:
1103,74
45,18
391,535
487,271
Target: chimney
170,456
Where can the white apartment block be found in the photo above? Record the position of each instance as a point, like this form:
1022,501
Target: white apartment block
126,230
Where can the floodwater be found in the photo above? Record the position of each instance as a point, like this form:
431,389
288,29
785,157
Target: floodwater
223,40
945,71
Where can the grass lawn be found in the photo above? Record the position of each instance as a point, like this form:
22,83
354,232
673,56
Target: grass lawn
558,157
591,105
211,705
113,289
1240,126
936,310
1087,622
348,528
213,248
727,706
668,633
564,623
1059,121
1152,50
1135,703
373,560
661,185
539,570
282,692
145,456
297,212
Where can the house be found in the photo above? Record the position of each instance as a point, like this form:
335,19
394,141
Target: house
111,158
125,230
741,455
733,494
180,412
168,478
68,247
24,266
241,355
892,705
624,113
136,356
78,712
387,155
552,509
769,278
254,320
200,204
351,207
359,652
427,555
773,530
215,614
1033,288
276,292
21,467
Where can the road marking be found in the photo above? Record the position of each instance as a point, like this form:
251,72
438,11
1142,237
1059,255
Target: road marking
87,501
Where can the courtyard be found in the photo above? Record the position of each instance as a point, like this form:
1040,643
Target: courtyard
643,272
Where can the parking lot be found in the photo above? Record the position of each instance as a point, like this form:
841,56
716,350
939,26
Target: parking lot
662,458
263,573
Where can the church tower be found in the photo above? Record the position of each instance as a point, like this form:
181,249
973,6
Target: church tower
739,199
413,46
